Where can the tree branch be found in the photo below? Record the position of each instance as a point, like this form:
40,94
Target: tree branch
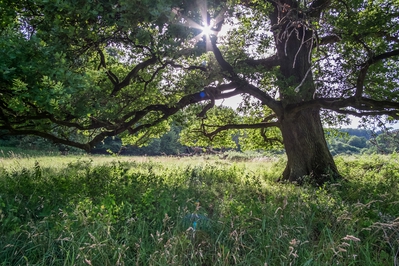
223,63
126,81
317,7
394,114
212,134
50,137
243,85
175,65
363,71
114,79
328,40
339,105
266,63
130,121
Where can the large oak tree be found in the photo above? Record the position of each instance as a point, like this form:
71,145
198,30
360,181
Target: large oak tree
76,71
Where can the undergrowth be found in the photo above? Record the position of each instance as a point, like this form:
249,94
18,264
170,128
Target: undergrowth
127,212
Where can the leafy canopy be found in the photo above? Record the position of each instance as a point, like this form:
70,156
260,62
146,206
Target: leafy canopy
76,72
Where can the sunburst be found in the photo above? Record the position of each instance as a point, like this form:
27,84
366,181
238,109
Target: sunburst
207,30
208,27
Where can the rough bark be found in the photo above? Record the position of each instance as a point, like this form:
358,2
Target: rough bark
306,148
303,136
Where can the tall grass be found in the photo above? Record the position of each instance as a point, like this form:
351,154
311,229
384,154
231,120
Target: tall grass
140,211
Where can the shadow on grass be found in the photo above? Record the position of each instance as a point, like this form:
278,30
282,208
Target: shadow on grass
218,213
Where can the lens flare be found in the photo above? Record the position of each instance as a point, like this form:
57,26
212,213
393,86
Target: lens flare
207,30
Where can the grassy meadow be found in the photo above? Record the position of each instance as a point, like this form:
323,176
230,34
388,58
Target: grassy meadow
83,210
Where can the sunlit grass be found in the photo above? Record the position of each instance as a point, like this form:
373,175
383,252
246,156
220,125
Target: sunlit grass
104,210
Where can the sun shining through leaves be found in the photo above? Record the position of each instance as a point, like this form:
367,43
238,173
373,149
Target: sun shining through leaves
208,26
207,30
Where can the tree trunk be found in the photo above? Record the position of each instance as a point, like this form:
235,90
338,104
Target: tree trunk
309,158
302,131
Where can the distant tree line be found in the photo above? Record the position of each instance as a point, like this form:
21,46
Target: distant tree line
343,141
357,141
168,144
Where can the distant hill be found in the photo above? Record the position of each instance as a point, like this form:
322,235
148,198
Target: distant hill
357,132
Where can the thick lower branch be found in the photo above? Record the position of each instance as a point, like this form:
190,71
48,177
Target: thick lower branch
239,126
394,114
129,122
52,138
336,104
